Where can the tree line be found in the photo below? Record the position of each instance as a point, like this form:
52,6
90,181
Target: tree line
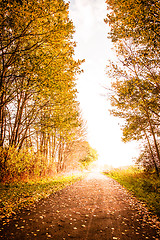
135,93
40,118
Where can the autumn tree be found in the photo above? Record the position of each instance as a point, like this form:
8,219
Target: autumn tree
38,106
135,32
90,155
140,123
74,149
137,20
147,158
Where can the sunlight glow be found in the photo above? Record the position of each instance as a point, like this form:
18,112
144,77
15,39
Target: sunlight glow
104,132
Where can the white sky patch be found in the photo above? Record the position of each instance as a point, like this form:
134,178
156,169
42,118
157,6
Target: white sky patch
104,132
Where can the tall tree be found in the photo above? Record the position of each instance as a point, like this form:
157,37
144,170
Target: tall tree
135,32
38,105
37,59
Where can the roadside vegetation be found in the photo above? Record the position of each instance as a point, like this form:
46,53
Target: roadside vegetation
135,91
41,128
17,195
144,185
25,177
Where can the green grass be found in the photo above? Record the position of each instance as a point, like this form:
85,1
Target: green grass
15,196
145,186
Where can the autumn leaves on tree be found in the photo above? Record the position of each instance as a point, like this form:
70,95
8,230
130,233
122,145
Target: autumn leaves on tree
135,29
39,112
40,122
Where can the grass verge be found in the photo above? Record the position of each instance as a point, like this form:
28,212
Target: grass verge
15,196
145,186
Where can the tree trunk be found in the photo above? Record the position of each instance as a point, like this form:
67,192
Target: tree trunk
2,121
152,155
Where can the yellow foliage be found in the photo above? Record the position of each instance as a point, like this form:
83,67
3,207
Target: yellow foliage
25,163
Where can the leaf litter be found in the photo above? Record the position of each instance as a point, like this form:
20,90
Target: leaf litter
99,208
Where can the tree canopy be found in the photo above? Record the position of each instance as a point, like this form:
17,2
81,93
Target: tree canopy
135,28
38,73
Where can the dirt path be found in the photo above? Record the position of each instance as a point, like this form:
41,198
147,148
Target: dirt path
95,208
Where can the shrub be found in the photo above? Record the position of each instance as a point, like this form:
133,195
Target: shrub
16,165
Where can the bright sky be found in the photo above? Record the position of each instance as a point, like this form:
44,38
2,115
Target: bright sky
104,132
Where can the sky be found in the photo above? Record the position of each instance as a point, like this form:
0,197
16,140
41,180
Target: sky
104,132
